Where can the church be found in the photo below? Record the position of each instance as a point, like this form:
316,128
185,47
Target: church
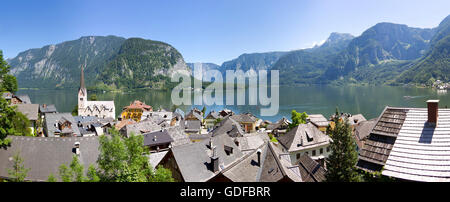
101,109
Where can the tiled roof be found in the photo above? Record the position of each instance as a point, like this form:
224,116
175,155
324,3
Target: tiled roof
303,136
43,155
318,119
193,160
25,99
311,170
421,152
29,110
47,109
228,126
51,121
377,147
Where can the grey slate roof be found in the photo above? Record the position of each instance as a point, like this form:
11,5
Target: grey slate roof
140,128
280,124
318,120
157,138
25,99
178,136
44,155
178,112
311,170
212,115
52,119
421,152
228,126
47,109
299,138
277,166
29,110
377,147
243,118
193,125
193,160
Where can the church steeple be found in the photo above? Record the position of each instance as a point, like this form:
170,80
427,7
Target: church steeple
82,78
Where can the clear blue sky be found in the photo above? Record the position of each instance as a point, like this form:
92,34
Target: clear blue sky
206,30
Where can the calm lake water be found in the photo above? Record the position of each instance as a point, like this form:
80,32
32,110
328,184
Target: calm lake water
367,100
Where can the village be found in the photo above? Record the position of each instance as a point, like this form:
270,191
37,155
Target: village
406,144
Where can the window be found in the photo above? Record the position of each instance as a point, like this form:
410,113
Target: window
321,150
298,156
314,152
328,149
307,153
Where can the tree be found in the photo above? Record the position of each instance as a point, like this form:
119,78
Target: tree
297,118
51,178
93,97
19,172
162,175
341,162
125,160
7,82
11,123
65,173
75,111
204,110
77,170
92,174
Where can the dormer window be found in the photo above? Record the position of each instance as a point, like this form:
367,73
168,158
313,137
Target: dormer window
228,150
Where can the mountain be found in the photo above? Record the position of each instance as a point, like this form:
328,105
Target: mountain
308,65
255,61
110,61
436,63
205,68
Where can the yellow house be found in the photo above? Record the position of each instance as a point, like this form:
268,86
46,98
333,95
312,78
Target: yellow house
135,110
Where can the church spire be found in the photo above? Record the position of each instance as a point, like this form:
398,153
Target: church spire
82,78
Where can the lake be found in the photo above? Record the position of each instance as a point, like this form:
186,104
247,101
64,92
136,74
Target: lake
367,100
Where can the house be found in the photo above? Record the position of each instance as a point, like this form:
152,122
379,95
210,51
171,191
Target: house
158,140
362,131
226,112
319,121
305,139
21,99
102,109
192,126
210,119
124,123
409,144
264,164
44,155
279,127
90,125
61,125
250,142
247,121
228,126
47,109
135,110
31,111
194,114
161,114
139,128
201,161
178,135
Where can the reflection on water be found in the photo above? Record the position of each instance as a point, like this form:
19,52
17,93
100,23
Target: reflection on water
368,100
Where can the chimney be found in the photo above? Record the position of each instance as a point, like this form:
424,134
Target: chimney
214,160
77,148
433,106
154,138
258,152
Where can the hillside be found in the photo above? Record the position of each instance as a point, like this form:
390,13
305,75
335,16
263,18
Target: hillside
111,62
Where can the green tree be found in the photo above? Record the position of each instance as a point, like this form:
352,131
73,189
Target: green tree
92,174
125,160
204,110
162,175
7,82
11,123
19,172
75,111
341,162
51,178
297,118
77,170
65,173
93,97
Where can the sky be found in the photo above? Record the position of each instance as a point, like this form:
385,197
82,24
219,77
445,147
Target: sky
206,30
